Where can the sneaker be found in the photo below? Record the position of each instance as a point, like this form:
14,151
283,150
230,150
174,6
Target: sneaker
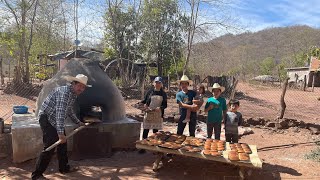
41,177
186,120
71,170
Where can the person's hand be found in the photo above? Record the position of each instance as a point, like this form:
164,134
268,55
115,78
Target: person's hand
62,138
194,107
157,109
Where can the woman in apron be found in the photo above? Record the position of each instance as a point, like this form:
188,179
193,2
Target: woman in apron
155,102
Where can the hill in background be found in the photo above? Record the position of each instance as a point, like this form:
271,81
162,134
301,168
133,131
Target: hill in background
250,54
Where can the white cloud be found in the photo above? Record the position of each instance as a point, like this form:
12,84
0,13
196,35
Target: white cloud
257,15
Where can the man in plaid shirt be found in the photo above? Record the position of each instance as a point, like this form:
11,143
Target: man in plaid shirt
52,114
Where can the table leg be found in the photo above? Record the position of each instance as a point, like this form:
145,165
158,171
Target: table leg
242,173
158,160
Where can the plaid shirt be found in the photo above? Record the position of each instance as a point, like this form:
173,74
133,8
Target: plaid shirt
58,105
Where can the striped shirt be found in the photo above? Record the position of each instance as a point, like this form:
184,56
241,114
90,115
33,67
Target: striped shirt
58,105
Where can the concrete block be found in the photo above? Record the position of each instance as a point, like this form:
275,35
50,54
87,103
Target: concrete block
5,145
27,137
124,133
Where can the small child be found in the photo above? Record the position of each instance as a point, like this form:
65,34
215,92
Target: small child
198,100
234,119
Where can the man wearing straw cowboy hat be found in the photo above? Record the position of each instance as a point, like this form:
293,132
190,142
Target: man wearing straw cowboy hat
52,114
184,99
216,107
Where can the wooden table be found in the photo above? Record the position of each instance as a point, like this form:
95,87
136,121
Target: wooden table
254,162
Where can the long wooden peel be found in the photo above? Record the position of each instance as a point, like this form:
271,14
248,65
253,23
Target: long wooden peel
88,122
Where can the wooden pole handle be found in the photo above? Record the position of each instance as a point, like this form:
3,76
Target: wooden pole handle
68,136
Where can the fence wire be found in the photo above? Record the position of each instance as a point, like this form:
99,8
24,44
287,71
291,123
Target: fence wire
256,99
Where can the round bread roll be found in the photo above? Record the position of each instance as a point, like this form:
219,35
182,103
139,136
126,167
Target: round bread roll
214,153
240,150
207,147
206,152
247,147
244,157
214,148
220,149
209,140
233,157
233,152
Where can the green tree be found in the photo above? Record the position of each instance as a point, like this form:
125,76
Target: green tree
267,66
161,39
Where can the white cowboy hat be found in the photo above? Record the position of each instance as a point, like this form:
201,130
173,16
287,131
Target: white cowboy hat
185,78
83,79
216,86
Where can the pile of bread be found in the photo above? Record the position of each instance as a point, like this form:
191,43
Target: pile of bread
191,149
170,145
150,142
161,135
179,139
192,141
214,147
239,152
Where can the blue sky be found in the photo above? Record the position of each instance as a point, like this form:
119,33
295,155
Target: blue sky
260,14
247,15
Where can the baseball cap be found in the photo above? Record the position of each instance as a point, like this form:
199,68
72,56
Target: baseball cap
158,79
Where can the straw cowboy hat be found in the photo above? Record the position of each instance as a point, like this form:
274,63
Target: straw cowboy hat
216,86
83,79
185,78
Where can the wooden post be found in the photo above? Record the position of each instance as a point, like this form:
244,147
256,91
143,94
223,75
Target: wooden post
168,82
233,92
313,79
283,104
1,72
143,81
304,82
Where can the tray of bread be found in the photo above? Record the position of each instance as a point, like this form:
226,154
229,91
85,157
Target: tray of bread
233,155
150,142
193,141
191,149
179,139
213,153
170,145
160,135
240,148
214,145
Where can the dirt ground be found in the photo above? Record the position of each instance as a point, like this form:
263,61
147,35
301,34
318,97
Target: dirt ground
283,153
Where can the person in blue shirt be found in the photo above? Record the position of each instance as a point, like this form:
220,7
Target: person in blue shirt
184,99
216,107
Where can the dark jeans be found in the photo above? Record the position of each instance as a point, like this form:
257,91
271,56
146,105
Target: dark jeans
146,132
233,138
50,136
216,126
192,125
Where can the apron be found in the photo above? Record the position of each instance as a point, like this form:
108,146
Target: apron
153,119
